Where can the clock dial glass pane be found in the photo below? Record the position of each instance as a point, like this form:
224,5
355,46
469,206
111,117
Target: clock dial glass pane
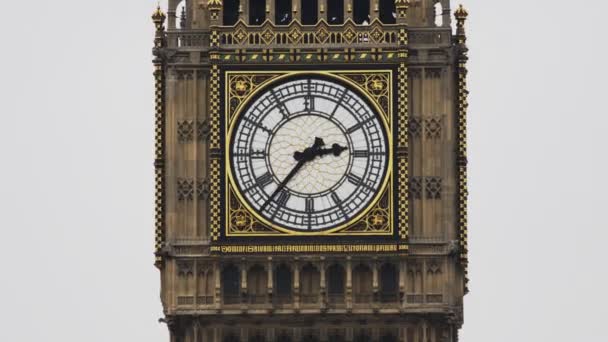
308,154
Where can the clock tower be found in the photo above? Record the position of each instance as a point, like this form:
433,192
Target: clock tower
311,178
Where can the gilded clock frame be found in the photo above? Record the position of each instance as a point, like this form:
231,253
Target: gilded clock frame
240,87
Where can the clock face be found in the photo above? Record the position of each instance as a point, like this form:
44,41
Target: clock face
308,154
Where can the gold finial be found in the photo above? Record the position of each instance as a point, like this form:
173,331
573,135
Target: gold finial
461,13
158,15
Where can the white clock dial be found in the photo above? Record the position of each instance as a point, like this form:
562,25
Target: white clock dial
309,154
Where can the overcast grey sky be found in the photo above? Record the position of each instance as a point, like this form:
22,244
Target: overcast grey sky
76,141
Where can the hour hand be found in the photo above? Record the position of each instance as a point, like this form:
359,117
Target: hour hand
318,142
335,149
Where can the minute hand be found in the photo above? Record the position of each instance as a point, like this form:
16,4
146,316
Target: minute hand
284,182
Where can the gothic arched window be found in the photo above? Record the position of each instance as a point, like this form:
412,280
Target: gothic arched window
309,11
230,284
362,284
361,12
389,283
335,12
282,12
388,13
283,284
231,12
257,12
336,283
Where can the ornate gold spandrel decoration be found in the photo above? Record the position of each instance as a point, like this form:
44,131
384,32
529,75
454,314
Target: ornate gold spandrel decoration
240,88
377,220
241,221
375,85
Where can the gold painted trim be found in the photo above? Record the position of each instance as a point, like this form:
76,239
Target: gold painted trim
386,119
313,248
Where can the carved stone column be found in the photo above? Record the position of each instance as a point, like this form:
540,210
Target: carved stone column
375,280
270,279
322,292
244,294
217,298
296,284
349,283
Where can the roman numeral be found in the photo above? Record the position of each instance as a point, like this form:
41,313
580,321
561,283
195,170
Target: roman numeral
356,180
264,180
280,105
257,154
335,197
354,128
283,198
360,154
310,205
338,201
342,96
358,125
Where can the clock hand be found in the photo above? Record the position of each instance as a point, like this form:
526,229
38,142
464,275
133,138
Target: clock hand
335,149
306,156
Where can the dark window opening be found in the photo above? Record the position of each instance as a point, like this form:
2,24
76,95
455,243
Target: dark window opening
335,288
230,284
389,283
283,284
335,11
388,13
231,12
361,12
257,12
282,12
310,12
231,338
